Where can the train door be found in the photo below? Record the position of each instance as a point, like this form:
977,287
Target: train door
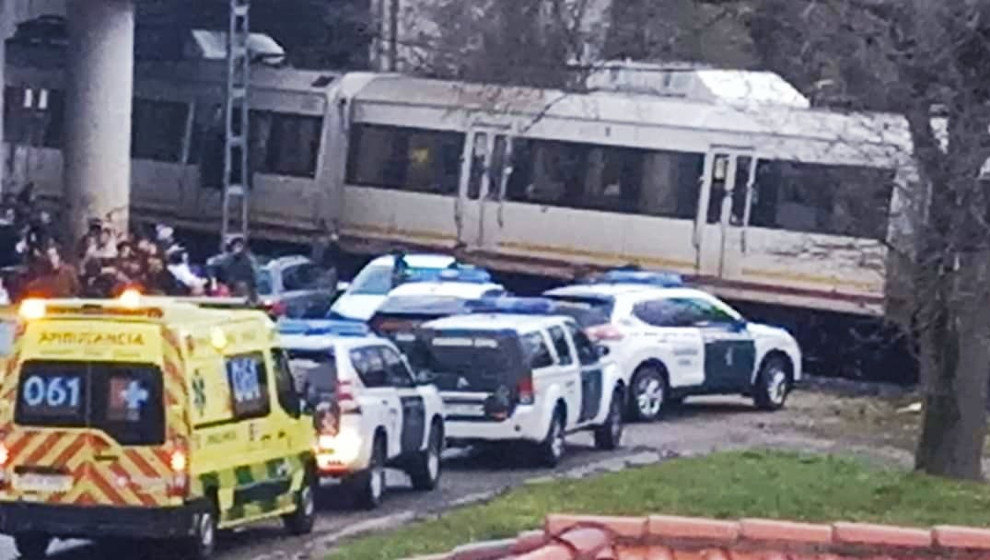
483,173
720,224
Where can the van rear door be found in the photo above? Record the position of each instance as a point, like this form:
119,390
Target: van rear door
89,434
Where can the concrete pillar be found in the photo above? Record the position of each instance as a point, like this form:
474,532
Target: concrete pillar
100,86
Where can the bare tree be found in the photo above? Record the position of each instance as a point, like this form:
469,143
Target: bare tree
909,56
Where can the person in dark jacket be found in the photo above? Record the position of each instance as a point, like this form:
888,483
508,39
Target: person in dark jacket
239,270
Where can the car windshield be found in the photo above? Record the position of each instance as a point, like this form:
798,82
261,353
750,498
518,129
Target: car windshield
468,361
265,287
377,280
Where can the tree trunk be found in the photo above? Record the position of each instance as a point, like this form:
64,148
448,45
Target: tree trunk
956,355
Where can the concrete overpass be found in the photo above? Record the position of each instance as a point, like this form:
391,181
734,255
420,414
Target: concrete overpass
97,105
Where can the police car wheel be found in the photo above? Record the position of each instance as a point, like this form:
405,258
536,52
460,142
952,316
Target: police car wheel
425,470
551,449
772,385
32,546
368,486
648,394
609,435
301,521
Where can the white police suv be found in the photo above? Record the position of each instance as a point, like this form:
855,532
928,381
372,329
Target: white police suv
673,342
509,372
370,412
371,286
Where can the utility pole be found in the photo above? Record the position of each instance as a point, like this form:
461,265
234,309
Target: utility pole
393,35
237,171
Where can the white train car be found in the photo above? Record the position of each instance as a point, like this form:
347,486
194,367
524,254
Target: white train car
766,203
773,204
177,141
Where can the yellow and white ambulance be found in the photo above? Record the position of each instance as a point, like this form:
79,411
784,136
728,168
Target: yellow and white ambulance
149,418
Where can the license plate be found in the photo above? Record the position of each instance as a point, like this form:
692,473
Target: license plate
465,409
46,483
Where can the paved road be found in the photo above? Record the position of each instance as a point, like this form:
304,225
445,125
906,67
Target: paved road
702,427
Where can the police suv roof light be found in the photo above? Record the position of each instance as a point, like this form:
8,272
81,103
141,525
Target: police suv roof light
513,306
658,279
324,327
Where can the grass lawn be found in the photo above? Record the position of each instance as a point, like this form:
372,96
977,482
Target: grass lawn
726,485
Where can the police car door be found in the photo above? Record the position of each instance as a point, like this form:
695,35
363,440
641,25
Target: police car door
730,352
378,400
592,377
413,408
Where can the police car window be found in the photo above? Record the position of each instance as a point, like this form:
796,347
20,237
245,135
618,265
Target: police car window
370,367
560,345
123,400
536,351
315,374
667,313
285,386
395,367
708,312
248,382
585,349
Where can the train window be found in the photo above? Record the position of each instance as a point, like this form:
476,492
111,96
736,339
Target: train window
613,179
285,144
33,117
159,130
408,159
816,198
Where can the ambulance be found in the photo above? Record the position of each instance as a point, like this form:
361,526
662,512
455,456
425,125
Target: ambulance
149,418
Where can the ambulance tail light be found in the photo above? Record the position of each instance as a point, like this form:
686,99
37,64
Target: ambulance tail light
345,398
178,463
525,389
605,333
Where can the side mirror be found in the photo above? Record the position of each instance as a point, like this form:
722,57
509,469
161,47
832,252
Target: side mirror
740,325
602,351
343,286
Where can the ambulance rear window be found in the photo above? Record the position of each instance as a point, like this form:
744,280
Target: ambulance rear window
123,400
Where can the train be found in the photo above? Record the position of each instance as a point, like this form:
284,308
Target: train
726,177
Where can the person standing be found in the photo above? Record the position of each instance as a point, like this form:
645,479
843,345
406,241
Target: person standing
55,278
239,270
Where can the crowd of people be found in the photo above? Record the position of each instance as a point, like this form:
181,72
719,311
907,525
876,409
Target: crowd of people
105,262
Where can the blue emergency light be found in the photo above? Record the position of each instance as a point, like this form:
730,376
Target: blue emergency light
317,327
645,278
513,306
